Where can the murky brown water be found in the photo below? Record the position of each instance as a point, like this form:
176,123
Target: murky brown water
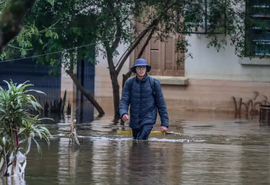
210,150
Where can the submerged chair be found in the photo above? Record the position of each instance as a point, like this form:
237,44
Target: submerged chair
264,114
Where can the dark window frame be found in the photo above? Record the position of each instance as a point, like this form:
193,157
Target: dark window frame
257,28
207,21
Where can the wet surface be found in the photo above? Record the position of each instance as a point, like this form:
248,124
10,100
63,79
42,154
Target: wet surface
210,150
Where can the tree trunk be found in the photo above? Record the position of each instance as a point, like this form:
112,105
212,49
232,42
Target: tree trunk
12,19
115,87
116,96
86,93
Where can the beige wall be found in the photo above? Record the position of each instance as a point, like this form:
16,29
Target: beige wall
209,95
207,63
213,95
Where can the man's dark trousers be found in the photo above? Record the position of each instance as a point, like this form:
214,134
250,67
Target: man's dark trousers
142,133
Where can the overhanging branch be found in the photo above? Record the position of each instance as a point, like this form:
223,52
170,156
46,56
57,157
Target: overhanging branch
118,26
135,44
117,35
146,43
154,23
12,19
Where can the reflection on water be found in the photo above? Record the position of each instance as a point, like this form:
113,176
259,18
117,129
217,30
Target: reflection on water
106,162
12,180
153,162
206,152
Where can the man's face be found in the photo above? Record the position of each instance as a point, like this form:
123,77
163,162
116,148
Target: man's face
141,70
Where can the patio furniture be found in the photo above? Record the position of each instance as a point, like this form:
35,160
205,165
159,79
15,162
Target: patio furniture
264,114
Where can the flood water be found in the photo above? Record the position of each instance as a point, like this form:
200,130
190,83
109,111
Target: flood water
211,149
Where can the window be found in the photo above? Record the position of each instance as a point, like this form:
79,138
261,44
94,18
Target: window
205,16
161,55
257,28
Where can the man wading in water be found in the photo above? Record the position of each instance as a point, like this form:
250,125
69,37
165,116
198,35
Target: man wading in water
145,97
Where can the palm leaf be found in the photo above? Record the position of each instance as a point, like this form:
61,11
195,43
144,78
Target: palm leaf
2,110
9,84
33,90
21,130
38,147
22,85
2,142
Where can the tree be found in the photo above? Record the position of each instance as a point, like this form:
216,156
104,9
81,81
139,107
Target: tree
112,22
75,24
51,28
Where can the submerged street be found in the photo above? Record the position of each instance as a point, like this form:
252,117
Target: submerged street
212,149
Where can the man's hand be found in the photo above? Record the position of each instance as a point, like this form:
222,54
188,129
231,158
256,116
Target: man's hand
163,129
125,118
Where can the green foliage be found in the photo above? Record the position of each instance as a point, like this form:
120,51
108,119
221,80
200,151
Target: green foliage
16,103
51,28
59,30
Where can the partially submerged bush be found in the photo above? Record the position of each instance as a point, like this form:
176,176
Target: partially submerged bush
18,127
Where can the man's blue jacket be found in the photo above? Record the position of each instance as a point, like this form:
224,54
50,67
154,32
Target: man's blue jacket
145,98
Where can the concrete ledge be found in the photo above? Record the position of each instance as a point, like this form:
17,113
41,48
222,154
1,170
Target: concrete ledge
255,61
172,80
